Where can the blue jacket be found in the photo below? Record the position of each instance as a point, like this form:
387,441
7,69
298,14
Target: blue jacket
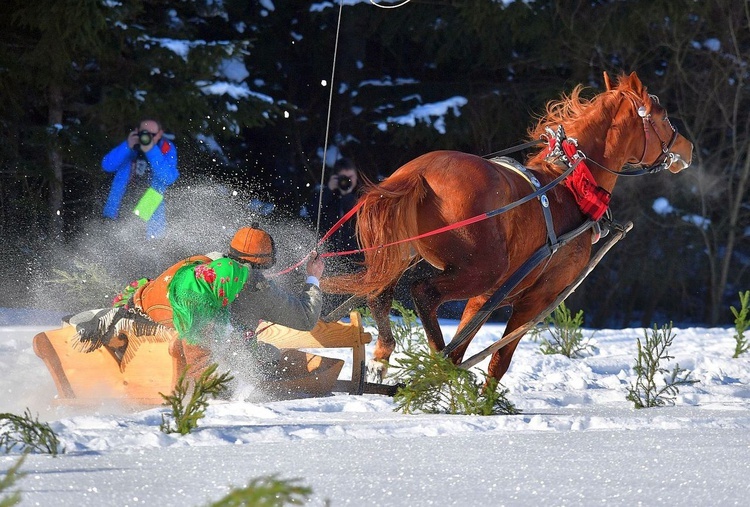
163,161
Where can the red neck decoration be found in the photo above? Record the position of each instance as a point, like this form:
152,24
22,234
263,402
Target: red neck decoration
592,199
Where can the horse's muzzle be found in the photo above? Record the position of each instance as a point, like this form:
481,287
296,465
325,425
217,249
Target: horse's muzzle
676,163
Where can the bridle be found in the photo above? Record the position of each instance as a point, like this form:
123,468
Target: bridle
667,157
663,161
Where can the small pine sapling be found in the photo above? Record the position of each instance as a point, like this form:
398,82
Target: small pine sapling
741,323
28,434
408,332
187,415
11,478
647,392
267,492
566,334
433,384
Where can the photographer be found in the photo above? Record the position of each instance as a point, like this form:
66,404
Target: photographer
144,166
340,196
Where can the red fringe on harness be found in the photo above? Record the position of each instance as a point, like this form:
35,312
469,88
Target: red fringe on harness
592,199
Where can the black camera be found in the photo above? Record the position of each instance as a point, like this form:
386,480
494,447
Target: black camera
345,183
145,137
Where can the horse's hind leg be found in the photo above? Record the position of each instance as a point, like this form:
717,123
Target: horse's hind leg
380,306
428,294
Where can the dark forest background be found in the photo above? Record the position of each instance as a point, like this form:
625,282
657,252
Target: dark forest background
76,76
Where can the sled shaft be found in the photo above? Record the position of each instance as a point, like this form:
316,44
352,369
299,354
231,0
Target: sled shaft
517,333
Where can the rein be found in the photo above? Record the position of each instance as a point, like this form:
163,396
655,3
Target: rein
462,223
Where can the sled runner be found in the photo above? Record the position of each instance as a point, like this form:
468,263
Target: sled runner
155,362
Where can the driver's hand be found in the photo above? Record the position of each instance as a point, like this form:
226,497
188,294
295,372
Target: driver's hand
315,265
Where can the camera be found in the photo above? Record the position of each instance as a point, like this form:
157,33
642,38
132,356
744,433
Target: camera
344,182
145,137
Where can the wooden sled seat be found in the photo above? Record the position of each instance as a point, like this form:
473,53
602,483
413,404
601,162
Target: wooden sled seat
89,378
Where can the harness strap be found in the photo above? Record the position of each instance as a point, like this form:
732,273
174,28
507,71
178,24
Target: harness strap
513,149
523,171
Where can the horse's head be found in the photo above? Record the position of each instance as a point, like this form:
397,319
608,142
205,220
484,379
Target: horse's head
661,145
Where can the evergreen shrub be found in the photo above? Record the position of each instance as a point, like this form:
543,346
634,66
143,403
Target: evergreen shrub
741,323
266,492
433,384
648,391
27,433
566,335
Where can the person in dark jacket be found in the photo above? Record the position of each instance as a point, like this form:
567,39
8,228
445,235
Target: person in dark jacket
262,299
144,166
339,197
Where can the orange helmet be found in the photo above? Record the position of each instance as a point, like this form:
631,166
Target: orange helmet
253,245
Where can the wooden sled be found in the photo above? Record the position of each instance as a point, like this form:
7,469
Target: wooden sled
327,335
90,378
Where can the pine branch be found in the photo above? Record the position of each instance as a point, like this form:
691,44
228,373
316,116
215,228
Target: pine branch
266,492
27,433
741,323
567,336
11,478
187,415
434,385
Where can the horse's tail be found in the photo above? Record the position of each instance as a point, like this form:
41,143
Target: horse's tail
388,213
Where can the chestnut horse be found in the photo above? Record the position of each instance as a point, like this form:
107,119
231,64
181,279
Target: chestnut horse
622,125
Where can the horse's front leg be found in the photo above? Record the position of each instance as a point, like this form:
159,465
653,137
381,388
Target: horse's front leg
380,306
523,312
472,307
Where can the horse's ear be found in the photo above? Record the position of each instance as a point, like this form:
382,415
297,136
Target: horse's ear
607,82
635,83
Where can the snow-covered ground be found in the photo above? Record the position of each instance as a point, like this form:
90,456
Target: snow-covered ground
578,441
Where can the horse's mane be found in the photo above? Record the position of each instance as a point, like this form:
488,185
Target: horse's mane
580,116
562,111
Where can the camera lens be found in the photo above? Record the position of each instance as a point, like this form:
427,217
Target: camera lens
345,182
145,137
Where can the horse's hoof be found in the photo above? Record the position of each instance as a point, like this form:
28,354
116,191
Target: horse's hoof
376,371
